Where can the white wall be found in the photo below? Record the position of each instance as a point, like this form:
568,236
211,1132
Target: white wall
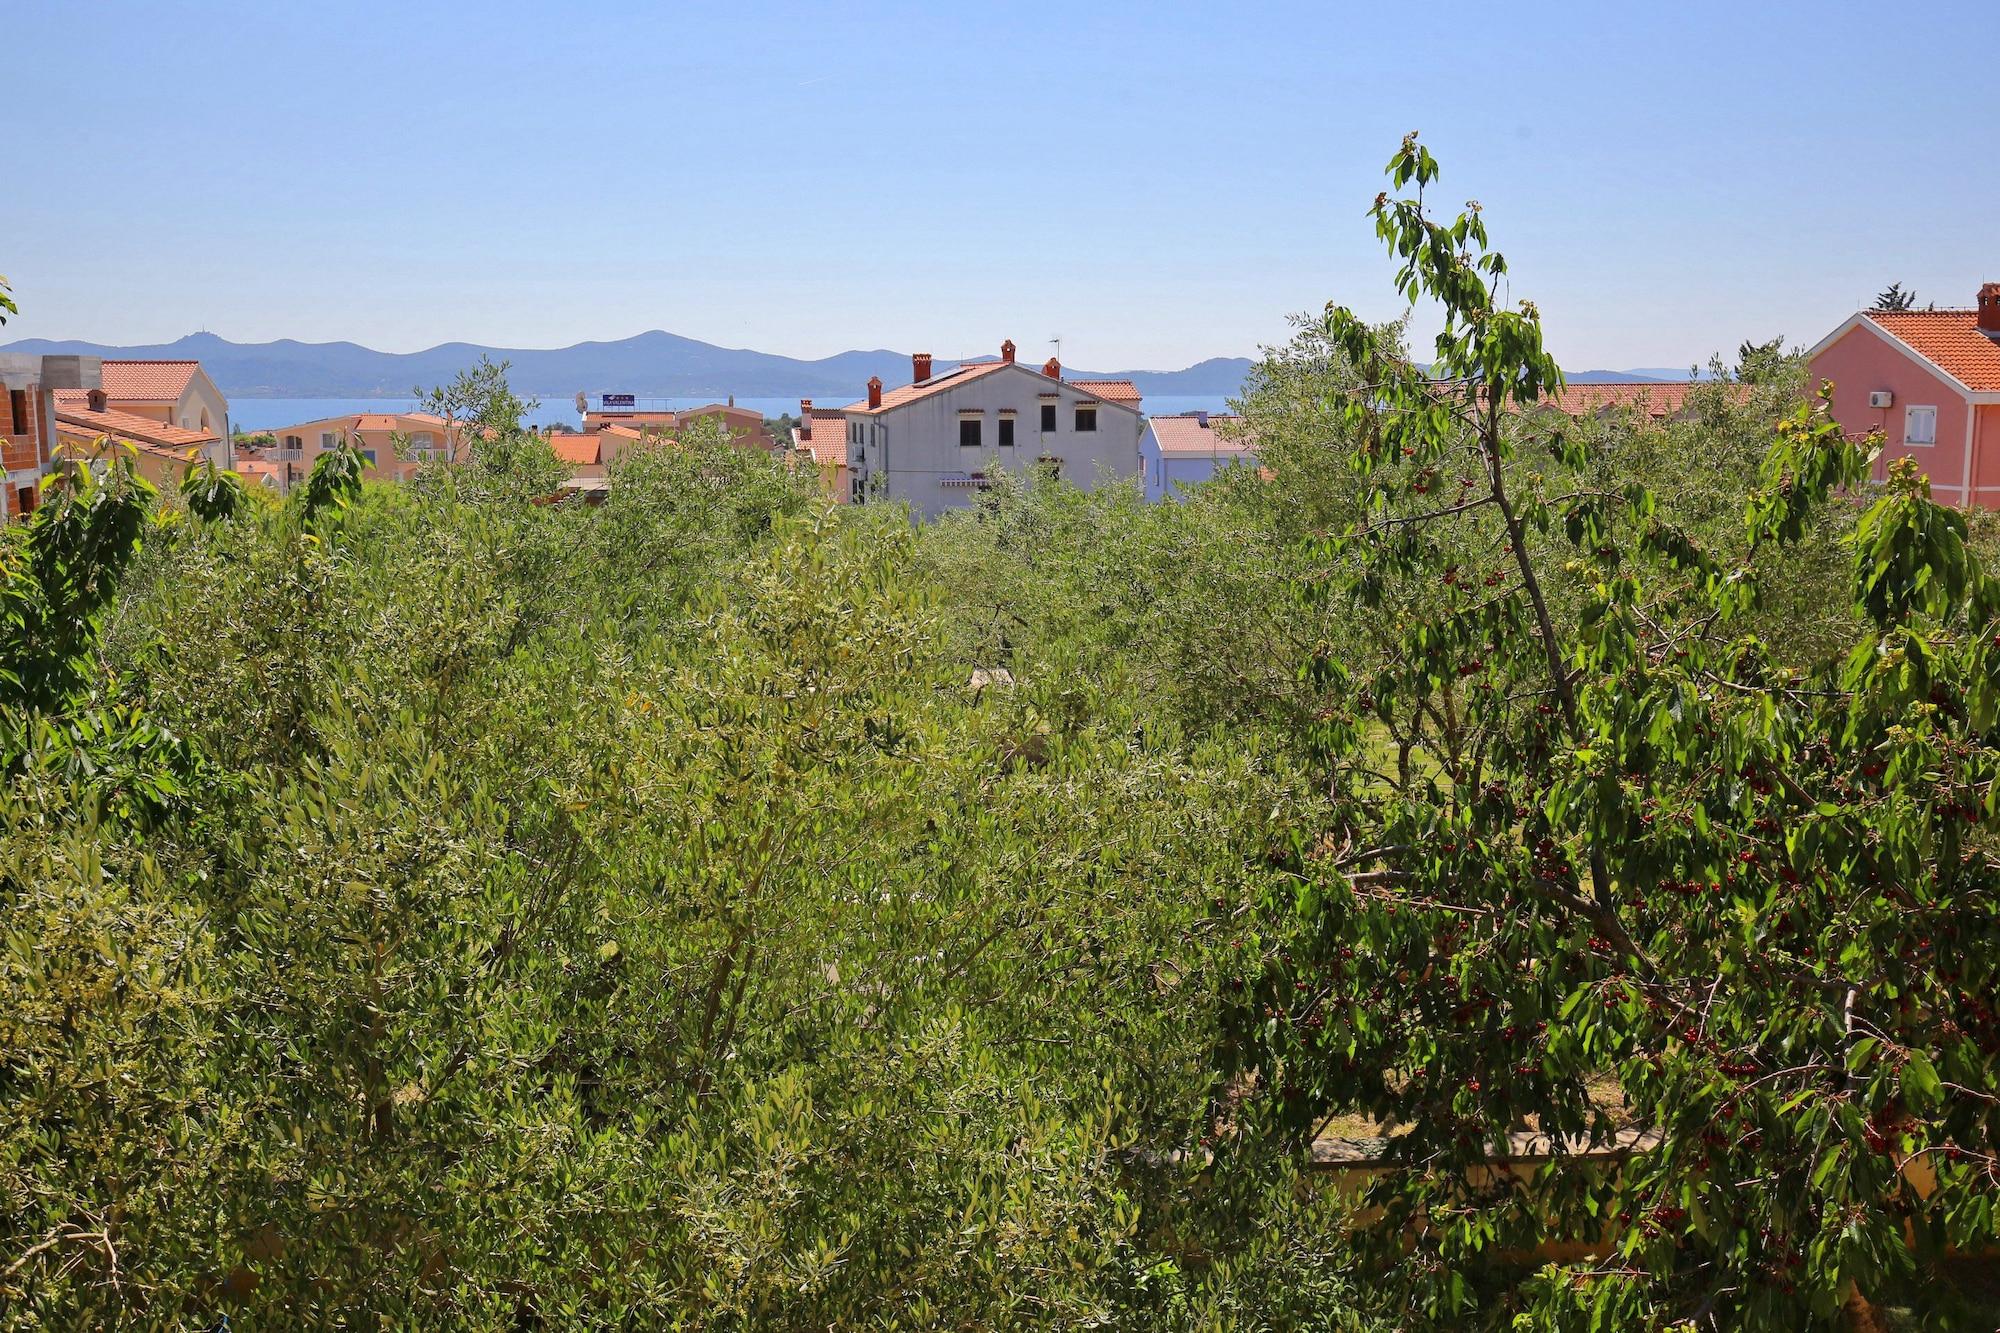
907,453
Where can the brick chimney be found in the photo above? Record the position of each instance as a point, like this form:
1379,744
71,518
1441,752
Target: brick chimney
1989,309
805,418
1052,368
920,367
874,392
1007,351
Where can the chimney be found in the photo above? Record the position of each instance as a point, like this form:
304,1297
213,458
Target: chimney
805,418
1052,368
1007,351
920,367
874,392
1989,309
1202,417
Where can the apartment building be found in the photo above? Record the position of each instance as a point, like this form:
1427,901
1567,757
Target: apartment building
935,442
374,435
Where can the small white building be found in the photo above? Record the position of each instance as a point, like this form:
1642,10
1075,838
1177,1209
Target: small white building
1189,449
935,442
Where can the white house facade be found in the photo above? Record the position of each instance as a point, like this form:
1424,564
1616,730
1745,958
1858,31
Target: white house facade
935,442
1187,450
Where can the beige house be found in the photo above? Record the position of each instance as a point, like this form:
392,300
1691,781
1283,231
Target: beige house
375,435
91,429
174,393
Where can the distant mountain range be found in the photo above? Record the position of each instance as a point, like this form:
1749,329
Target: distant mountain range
652,364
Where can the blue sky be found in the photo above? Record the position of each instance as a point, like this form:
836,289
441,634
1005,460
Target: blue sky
1154,182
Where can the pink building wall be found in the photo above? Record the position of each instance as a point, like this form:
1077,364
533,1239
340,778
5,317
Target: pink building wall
1863,361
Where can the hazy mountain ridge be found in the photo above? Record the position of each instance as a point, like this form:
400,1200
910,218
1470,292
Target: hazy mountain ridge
654,364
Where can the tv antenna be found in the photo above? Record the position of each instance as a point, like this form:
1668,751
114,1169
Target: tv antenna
1057,344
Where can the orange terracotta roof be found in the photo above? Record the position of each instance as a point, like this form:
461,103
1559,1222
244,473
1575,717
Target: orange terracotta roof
1949,340
82,424
721,409
627,432
910,393
1183,435
576,450
258,471
1658,401
829,438
633,418
1118,391
148,381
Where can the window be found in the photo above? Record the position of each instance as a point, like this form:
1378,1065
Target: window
859,490
1006,432
17,402
1048,418
422,443
968,431
1086,419
369,455
1920,425
294,442
326,439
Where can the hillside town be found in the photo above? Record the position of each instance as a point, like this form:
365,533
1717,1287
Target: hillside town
1190,669
1925,382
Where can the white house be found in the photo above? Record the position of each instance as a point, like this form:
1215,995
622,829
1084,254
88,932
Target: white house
935,442
1189,449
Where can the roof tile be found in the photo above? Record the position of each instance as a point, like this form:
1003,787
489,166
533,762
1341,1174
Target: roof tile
84,423
829,438
148,381
1185,435
1949,340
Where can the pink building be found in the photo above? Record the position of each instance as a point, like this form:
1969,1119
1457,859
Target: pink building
1929,382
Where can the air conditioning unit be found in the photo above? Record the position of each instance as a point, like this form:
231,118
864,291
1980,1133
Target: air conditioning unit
1881,398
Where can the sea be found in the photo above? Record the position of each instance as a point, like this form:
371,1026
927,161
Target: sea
261,414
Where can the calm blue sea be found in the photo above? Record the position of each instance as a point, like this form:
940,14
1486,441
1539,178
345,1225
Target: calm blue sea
258,414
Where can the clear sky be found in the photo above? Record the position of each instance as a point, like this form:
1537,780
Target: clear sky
1155,182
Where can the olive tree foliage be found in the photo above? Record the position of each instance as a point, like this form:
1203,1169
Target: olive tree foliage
477,403
1606,861
622,916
